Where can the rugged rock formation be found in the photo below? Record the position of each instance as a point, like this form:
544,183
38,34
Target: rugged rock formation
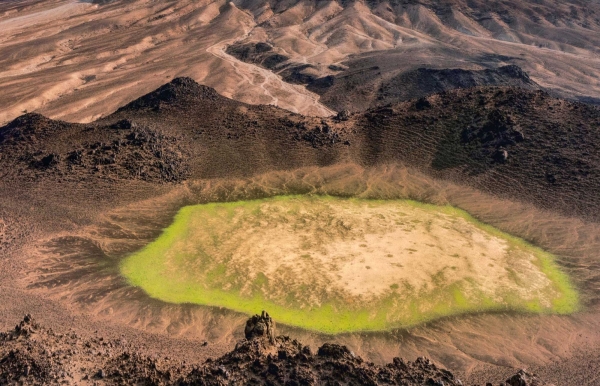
260,327
31,354
374,87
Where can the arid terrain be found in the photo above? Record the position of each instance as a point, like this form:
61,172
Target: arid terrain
80,60
81,197
117,115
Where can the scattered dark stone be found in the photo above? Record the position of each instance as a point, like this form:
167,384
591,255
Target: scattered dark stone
223,372
343,115
252,362
334,351
273,369
48,161
75,156
518,135
500,155
123,124
422,104
523,378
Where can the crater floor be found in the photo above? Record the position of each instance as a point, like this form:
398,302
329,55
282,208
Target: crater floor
337,265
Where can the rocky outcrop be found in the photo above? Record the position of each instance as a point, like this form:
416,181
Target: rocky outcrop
523,378
31,354
123,150
257,53
178,90
260,327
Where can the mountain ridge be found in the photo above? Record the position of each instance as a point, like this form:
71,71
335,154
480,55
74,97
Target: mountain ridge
479,136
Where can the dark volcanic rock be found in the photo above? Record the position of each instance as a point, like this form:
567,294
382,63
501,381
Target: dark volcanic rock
178,90
298,74
372,88
480,137
284,361
257,53
523,378
422,104
31,354
334,351
123,150
47,161
260,326
343,115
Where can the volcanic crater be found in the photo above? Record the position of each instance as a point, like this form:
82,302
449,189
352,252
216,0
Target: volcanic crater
243,207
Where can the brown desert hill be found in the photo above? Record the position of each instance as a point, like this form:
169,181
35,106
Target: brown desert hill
376,42
76,197
514,143
360,85
370,89
32,354
80,61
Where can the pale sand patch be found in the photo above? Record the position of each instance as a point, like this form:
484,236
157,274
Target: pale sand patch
355,250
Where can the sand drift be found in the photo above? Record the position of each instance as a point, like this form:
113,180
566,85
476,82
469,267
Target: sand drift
340,265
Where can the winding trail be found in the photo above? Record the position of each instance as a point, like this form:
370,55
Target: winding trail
272,83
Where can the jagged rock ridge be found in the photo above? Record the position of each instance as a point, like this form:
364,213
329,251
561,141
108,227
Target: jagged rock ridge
31,354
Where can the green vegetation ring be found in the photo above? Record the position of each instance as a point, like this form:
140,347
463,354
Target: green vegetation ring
339,265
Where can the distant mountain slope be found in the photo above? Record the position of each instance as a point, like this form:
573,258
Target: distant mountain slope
79,60
364,45
360,89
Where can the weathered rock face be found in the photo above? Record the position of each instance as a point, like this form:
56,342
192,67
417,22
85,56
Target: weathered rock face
260,360
123,150
260,326
25,328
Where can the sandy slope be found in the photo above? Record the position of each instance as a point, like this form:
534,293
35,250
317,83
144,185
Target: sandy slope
79,61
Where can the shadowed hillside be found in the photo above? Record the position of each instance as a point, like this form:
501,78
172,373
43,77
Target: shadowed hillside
514,143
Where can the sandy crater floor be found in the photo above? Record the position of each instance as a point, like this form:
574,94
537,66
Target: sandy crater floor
337,265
